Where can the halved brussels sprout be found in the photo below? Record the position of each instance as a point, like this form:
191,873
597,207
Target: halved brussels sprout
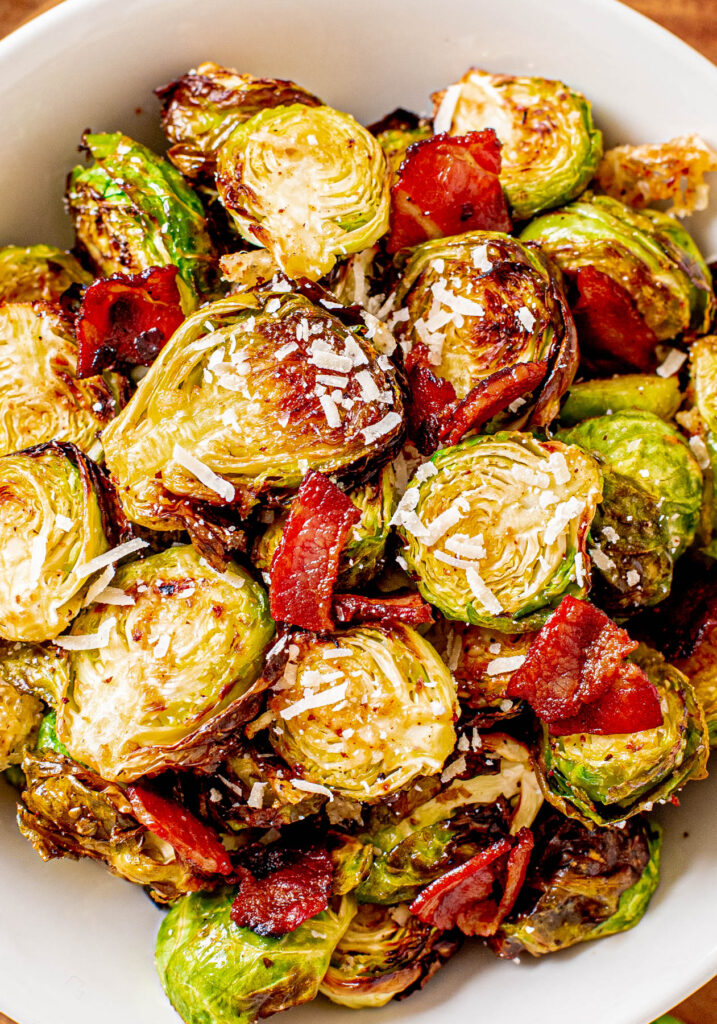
582,884
479,302
362,557
364,712
649,254
606,779
251,392
201,109
51,526
133,210
385,952
645,391
42,400
496,527
213,970
440,822
20,711
161,681
308,183
551,148
38,273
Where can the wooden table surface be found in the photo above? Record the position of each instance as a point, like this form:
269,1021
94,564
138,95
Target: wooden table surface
695,21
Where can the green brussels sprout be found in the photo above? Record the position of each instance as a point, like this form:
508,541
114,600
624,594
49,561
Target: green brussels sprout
495,528
364,712
20,712
213,970
47,738
38,273
133,210
479,302
606,779
443,821
307,183
551,149
51,524
69,811
703,391
41,397
384,952
237,393
658,395
650,255
161,681
582,884
201,109
362,557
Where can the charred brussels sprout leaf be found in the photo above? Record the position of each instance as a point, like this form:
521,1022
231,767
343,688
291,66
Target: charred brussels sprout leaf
132,210
38,273
166,678
239,388
40,669
582,884
20,710
606,779
42,399
307,183
384,953
201,109
495,528
369,720
703,373
213,970
551,148
51,527
643,391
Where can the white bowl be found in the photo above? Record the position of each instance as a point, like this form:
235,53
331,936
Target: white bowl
76,944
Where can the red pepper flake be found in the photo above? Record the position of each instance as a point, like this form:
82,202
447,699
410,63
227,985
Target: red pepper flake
575,676
489,397
448,185
609,324
465,897
306,563
125,320
281,901
193,841
410,609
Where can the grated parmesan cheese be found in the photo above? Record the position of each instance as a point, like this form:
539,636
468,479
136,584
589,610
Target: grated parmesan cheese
114,596
525,318
610,534
601,560
98,586
311,787
317,700
88,641
458,766
203,473
633,578
700,451
285,350
369,390
384,426
482,593
564,513
331,412
256,796
63,523
671,363
500,665
111,556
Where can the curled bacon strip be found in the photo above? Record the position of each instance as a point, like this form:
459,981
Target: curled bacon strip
575,676
448,185
125,320
489,397
609,325
194,841
464,897
306,563
281,901
430,397
408,608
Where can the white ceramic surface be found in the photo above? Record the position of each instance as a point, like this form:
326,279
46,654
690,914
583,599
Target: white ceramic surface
75,943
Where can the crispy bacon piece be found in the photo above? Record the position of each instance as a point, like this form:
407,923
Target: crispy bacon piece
577,662
448,185
465,896
281,901
430,396
306,563
408,608
609,325
194,841
489,397
125,320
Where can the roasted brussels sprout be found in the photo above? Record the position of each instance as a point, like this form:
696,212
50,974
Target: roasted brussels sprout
133,210
396,132
365,712
495,528
40,669
385,952
41,397
248,395
581,884
645,391
703,442
211,969
362,557
201,109
308,183
20,709
52,527
161,681
38,273
606,779
551,148
482,301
